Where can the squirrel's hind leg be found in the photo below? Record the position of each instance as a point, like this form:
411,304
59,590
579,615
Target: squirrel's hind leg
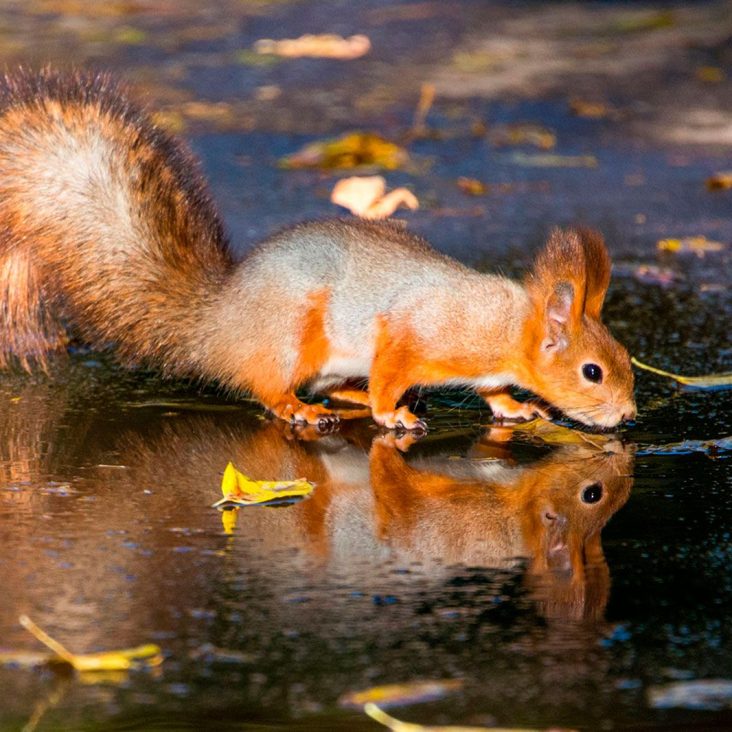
29,331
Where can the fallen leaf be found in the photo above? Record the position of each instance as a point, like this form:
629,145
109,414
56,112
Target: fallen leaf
121,660
711,694
720,181
395,694
352,150
239,490
552,433
325,45
711,381
698,245
366,197
472,186
396,725
523,133
589,109
554,161
710,74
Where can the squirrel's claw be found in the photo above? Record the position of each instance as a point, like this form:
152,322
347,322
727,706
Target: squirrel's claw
402,419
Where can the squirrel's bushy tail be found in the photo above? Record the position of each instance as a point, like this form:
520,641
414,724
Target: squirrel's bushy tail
106,223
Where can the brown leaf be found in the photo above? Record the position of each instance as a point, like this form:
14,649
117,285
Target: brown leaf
325,45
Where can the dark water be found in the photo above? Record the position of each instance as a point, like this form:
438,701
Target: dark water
473,553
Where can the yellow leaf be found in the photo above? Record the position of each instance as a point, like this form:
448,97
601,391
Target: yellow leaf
556,434
121,660
229,519
352,150
409,693
710,74
698,245
396,725
472,186
240,490
710,381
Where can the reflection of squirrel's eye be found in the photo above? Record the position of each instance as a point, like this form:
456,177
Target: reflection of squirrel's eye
592,372
592,494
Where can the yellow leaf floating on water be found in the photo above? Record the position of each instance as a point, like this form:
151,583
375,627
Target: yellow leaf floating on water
366,197
326,45
710,381
239,490
396,725
409,693
552,433
353,150
120,660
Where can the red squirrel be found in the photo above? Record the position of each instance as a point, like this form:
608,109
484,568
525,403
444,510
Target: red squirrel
108,227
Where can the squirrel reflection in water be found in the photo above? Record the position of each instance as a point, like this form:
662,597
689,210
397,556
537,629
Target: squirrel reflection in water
378,499
375,503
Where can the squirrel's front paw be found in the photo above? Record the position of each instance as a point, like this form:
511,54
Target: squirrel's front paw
400,418
505,407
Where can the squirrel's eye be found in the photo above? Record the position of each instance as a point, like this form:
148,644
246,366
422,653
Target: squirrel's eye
592,372
592,494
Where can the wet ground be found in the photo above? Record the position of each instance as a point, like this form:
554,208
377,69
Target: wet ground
432,560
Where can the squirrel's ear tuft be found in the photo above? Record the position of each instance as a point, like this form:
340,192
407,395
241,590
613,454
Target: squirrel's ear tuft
597,265
578,258
557,282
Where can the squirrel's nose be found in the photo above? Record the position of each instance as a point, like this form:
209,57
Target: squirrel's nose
629,413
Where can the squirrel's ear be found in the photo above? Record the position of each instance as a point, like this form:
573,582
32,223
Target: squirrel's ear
558,317
597,268
557,288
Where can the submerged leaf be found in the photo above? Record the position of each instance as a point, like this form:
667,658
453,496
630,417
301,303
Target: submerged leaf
239,490
394,694
120,660
711,381
353,150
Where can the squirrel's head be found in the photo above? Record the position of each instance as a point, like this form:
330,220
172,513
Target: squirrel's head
573,361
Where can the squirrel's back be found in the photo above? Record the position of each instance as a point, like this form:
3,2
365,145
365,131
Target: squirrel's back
106,222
